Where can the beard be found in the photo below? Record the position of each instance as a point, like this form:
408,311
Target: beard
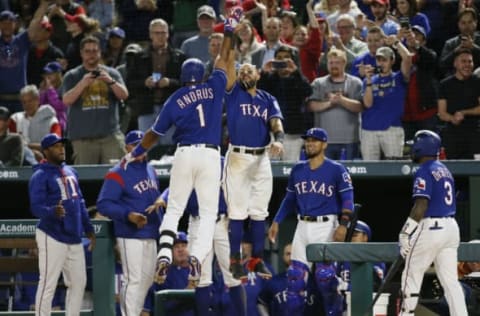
247,84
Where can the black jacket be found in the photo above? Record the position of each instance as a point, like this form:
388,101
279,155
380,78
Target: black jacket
139,68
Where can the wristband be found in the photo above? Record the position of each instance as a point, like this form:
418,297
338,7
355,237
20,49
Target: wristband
279,136
368,85
345,219
112,83
138,150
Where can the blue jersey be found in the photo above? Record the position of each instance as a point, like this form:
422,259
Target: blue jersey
274,295
132,190
195,111
253,285
365,59
50,184
177,279
435,182
389,93
320,191
248,116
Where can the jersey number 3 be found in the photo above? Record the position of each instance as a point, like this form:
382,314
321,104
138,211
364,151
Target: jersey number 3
449,196
201,117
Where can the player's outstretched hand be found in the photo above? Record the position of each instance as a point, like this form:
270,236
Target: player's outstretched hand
273,232
234,18
138,219
159,203
128,158
93,240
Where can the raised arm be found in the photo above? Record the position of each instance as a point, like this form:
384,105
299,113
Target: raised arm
34,26
226,59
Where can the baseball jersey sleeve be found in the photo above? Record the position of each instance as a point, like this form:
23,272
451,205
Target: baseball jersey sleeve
37,189
422,184
109,198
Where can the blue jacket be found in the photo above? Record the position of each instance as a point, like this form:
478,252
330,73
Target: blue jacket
131,190
50,184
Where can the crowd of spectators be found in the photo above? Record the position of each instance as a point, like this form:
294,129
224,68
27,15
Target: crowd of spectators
93,70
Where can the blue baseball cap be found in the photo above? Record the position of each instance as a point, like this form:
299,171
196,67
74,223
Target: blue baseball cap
420,29
133,137
7,15
317,133
116,31
52,67
181,237
364,228
51,139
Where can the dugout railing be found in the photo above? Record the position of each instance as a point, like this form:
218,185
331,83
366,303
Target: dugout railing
103,271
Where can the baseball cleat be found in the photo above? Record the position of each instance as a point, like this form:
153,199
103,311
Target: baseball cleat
161,271
195,270
258,266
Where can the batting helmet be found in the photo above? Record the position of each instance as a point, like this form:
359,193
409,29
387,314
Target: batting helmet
426,143
364,228
193,70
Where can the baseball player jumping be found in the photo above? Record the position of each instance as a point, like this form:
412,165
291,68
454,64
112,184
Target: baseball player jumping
320,190
196,112
221,249
247,179
431,233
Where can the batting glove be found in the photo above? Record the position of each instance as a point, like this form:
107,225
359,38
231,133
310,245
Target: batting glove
232,21
404,238
128,158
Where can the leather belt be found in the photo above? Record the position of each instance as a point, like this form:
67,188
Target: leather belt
256,152
211,146
307,218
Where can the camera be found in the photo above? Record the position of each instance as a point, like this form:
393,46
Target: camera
377,70
405,22
95,73
279,64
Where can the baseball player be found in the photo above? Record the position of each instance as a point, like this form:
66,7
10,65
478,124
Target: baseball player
178,277
320,190
196,112
362,233
247,178
430,233
56,199
126,197
221,249
272,299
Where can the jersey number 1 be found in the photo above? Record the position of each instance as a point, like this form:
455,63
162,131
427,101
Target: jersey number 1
201,117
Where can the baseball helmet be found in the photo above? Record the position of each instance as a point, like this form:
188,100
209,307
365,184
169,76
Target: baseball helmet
364,228
193,70
426,143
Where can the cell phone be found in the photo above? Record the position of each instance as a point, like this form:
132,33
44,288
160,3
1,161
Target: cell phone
279,64
405,22
377,70
95,73
156,76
